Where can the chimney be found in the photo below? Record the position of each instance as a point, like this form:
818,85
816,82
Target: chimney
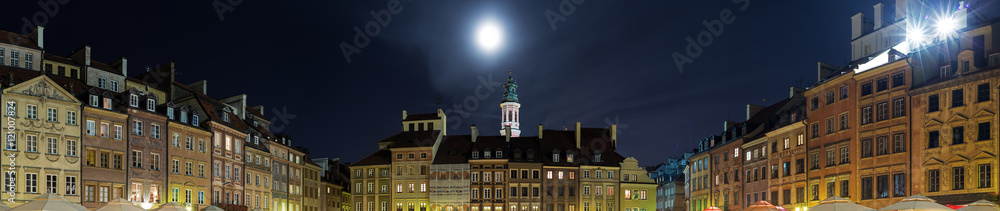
82,55
444,122
506,130
614,136
200,86
259,108
38,36
539,131
577,135
122,65
878,15
404,114
753,110
824,70
901,8
474,133
795,91
857,24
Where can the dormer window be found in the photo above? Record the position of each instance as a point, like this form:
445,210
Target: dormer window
225,116
184,116
256,140
486,154
133,100
194,120
107,103
597,157
255,123
569,157
102,83
151,104
555,156
94,101
499,154
170,113
475,154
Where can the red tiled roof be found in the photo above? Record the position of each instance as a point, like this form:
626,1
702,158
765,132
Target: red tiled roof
18,39
60,59
377,158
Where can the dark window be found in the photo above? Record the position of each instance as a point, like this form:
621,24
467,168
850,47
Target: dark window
831,189
830,96
866,89
73,73
830,125
513,175
882,145
774,171
985,176
62,71
984,131
831,157
800,166
933,139
866,188
843,92
815,130
881,111
845,188
958,135
845,156
957,98
788,196
866,148
898,143
881,84
815,103
815,161
959,178
866,115
898,107
898,80
882,186
983,91
844,121
815,192
898,185
933,104
934,180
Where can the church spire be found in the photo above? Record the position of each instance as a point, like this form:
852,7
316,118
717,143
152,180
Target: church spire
510,88
510,109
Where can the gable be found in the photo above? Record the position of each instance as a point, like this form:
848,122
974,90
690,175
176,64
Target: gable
43,87
957,158
983,114
984,155
932,162
958,118
932,123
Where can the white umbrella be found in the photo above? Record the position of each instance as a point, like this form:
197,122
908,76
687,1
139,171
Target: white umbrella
917,203
212,208
120,205
171,206
762,206
836,203
50,201
981,205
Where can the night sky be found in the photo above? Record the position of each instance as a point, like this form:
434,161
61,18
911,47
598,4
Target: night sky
606,62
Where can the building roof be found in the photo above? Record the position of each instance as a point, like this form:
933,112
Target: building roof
428,116
105,67
213,109
454,149
412,139
379,157
18,39
60,59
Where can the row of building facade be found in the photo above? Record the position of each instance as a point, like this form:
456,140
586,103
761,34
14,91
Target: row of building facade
904,118
423,168
148,139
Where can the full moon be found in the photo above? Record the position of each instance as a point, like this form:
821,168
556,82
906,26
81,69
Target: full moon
489,36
